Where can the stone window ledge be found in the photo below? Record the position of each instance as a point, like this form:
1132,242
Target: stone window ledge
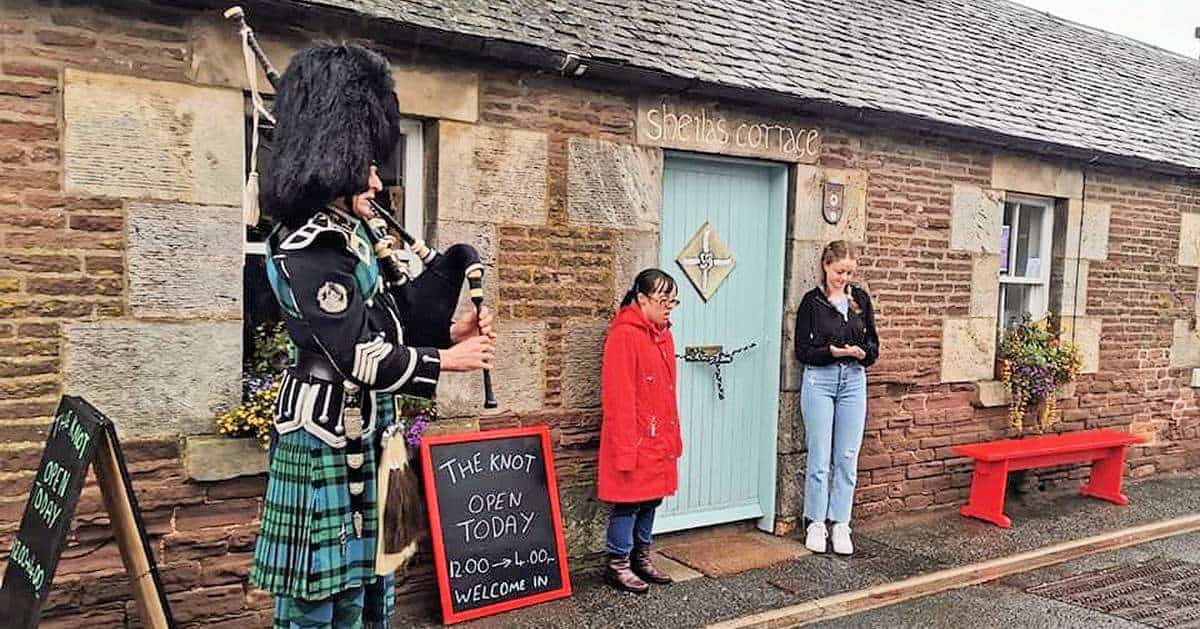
991,393
216,458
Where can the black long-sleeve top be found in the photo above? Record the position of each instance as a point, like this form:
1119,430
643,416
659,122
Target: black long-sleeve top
819,324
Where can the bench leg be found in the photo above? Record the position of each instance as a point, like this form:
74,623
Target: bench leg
1105,482
986,501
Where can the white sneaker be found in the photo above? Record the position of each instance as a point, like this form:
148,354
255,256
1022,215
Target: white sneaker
841,539
816,538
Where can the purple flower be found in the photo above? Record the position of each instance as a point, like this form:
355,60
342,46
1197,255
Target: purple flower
415,430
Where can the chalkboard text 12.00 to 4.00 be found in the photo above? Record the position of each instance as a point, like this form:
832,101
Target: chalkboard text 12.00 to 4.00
483,565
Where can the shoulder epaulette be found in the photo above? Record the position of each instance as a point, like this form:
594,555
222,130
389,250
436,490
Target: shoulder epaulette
319,224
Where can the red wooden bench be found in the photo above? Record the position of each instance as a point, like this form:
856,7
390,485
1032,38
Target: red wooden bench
995,459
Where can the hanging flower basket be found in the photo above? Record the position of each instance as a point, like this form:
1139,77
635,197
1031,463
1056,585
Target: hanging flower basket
1035,363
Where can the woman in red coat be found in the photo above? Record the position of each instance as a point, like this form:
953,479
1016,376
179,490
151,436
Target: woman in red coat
639,437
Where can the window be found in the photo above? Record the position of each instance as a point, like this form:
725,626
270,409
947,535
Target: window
402,178
1025,250
402,193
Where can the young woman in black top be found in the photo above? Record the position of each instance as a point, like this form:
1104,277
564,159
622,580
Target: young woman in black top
836,341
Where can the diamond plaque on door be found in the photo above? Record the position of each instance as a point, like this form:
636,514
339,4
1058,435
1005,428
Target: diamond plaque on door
706,260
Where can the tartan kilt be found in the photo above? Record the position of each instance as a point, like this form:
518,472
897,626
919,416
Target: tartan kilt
306,547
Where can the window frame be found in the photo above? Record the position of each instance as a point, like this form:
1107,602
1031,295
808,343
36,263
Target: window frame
1045,251
413,179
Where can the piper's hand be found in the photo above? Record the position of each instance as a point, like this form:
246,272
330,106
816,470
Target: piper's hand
476,352
472,324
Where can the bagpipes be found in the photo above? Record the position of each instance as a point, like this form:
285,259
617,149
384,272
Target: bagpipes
427,303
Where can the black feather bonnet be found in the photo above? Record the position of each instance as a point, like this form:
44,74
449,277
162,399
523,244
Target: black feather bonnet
336,114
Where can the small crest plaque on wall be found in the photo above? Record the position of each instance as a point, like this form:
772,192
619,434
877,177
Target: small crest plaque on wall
833,202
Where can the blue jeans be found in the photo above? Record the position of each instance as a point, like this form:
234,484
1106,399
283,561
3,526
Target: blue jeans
833,402
630,522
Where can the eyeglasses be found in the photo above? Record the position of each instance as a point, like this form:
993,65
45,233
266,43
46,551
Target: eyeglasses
666,303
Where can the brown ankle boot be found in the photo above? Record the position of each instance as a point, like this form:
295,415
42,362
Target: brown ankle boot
640,562
618,575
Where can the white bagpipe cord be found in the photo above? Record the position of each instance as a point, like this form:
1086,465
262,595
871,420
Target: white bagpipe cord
250,209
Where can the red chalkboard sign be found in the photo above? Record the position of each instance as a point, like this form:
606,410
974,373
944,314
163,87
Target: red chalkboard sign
495,521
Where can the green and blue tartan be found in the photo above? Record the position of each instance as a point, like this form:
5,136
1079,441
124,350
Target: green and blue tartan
357,608
306,547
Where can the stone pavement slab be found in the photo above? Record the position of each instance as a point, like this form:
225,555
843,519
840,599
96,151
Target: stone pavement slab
1014,601
886,552
1040,521
980,607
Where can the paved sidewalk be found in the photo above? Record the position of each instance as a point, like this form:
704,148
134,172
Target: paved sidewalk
886,553
1156,584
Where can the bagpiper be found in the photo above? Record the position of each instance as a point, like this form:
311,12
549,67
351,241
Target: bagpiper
337,118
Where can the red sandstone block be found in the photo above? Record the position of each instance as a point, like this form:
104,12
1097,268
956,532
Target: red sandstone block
241,621
232,568
26,132
71,239
244,487
242,538
70,39
97,222
44,307
27,68
25,348
97,618
918,502
92,560
874,461
180,575
211,602
22,409
923,470
77,286
195,545
26,89
223,513
102,264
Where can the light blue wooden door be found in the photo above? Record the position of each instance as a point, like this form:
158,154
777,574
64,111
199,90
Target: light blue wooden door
727,472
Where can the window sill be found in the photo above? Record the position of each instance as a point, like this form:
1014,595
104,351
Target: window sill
215,458
991,393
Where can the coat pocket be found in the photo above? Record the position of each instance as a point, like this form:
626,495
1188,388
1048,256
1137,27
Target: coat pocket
654,448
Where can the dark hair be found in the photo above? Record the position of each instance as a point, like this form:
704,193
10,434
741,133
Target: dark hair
649,282
337,114
834,252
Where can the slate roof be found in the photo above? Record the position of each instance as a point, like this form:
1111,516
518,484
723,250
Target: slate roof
990,65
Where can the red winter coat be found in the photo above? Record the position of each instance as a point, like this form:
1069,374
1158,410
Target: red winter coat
639,437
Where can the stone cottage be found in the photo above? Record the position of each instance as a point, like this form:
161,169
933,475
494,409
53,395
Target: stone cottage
991,159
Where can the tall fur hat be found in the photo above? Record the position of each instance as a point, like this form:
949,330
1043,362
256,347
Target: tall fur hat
336,114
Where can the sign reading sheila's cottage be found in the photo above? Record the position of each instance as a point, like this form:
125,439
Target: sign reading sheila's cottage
671,123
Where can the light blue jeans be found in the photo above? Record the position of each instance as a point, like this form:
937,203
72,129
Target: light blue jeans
833,402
